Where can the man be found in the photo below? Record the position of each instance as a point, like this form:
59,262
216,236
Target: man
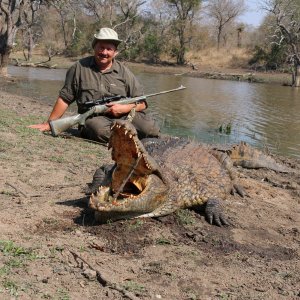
99,76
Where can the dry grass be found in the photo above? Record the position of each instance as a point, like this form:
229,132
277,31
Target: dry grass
224,58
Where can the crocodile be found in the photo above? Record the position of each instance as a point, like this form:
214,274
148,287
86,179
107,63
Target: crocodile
155,177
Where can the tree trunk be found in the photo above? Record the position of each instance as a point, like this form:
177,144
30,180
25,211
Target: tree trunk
181,50
296,79
180,57
239,39
30,45
4,59
219,38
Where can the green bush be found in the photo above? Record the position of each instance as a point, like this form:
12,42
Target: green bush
152,47
271,59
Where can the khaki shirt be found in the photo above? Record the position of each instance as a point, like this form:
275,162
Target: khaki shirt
84,82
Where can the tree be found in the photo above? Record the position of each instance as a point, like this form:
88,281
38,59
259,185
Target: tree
127,22
11,20
17,15
31,29
123,15
184,13
66,9
286,31
222,12
239,28
104,11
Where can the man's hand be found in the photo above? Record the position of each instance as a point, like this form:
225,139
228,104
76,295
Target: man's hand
118,110
41,127
58,110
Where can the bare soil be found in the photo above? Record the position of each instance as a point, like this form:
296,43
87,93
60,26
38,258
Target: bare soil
50,246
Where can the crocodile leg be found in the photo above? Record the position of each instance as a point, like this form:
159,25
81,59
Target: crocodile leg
227,164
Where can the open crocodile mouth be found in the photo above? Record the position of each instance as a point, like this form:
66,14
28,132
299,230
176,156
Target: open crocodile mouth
136,184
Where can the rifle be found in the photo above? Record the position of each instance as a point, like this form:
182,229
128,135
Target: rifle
60,125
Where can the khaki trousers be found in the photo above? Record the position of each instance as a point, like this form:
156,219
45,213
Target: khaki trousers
98,128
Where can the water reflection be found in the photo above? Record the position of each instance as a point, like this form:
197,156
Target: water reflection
263,115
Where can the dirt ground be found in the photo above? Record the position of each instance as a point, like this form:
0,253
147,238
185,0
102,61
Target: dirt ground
50,246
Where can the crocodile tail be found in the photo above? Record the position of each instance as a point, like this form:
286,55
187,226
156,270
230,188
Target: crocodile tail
247,157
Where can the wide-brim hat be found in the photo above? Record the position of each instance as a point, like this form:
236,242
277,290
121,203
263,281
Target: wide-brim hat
106,34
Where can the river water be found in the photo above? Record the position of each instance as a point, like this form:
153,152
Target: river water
263,115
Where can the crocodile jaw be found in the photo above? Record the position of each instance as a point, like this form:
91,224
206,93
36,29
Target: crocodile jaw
108,208
144,190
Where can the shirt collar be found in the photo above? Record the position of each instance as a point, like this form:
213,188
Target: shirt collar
114,68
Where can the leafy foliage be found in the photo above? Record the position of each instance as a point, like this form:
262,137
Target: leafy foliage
273,58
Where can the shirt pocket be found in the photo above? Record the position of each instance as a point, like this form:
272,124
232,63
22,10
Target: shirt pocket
88,92
117,89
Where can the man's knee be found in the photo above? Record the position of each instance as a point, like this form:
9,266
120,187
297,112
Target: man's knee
97,129
145,125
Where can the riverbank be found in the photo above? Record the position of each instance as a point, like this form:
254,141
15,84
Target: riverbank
237,74
196,69
45,224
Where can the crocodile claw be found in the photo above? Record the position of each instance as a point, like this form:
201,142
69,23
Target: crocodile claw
214,213
240,190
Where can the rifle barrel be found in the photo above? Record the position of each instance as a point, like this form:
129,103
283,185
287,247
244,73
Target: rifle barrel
168,91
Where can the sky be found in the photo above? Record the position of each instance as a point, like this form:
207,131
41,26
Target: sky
254,15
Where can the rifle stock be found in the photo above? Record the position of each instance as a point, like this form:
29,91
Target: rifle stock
62,124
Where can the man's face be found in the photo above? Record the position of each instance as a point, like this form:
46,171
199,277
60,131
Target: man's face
105,52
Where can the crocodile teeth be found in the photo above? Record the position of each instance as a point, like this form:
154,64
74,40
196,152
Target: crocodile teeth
92,198
126,131
130,135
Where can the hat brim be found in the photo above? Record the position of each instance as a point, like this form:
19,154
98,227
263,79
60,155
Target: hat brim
115,42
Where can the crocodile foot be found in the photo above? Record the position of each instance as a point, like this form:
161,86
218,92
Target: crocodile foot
239,189
214,213
102,176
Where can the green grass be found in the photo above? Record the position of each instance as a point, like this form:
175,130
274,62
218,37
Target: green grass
18,256
185,217
58,159
225,128
25,137
9,248
7,193
62,294
135,224
163,241
133,286
11,287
